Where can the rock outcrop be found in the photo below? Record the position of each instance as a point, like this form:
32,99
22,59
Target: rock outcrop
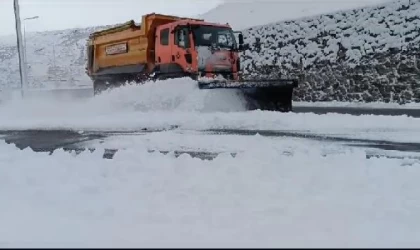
367,54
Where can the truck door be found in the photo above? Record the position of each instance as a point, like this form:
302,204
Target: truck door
163,45
183,52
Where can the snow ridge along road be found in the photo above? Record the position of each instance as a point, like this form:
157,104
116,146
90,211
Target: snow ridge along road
207,99
274,192
80,122
71,141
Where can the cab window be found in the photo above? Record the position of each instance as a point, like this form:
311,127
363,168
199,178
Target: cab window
182,38
164,37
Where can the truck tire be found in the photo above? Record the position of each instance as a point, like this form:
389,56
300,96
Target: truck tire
286,101
99,86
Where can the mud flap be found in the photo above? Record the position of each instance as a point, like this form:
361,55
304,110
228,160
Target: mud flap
273,95
99,86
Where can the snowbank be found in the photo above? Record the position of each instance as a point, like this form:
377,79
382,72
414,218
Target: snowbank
169,95
260,198
180,103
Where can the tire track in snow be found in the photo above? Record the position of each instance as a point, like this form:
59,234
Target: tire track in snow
356,142
73,141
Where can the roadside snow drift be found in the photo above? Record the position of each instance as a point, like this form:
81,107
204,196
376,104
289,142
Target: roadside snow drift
179,103
169,95
261,198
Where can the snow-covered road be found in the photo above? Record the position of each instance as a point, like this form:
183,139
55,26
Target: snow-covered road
275,180
273,193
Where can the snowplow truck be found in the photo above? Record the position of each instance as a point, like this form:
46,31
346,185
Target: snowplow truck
164,47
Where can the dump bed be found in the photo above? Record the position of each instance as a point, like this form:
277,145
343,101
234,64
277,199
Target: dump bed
127,45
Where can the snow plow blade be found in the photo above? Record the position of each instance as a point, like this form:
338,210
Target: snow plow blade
272,94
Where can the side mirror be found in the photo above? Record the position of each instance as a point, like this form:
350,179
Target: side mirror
243,47
241,39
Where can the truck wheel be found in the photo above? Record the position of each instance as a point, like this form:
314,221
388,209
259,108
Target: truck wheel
286,107
286,103
98,87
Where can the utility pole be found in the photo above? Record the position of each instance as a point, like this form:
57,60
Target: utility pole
25,40
54,55
22,62
54,66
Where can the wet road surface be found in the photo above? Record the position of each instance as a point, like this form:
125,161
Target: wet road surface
379,144
73,141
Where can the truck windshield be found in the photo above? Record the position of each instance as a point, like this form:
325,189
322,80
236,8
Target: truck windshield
211,35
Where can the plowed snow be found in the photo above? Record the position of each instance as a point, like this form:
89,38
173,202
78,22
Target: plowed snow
170,95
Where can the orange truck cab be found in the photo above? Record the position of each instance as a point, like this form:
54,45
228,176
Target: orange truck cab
163,47
197,48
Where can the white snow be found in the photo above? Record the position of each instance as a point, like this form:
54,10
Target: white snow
214,143
56,59
275,193
180,103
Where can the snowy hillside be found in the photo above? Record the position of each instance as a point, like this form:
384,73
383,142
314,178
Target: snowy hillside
246,14
55,58
365,54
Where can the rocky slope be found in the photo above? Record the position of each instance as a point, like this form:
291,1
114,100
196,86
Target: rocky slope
365,54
